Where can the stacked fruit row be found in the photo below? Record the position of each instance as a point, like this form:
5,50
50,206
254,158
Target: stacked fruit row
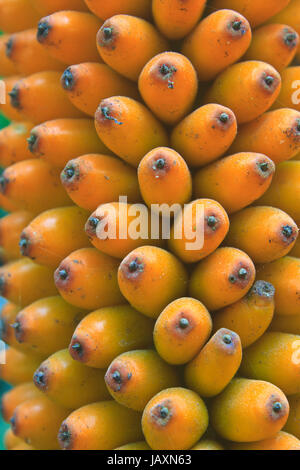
135,339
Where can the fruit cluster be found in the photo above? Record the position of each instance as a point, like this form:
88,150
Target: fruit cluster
151,342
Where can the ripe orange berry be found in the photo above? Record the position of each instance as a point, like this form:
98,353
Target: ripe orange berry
88,279
105,333
174,419
50,237
249,88
226,35
222,278
150,278
125,52
215,365
130,379
247,174
205,134
181,330
249,410
168,84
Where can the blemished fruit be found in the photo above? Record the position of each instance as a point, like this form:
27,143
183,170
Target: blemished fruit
149,249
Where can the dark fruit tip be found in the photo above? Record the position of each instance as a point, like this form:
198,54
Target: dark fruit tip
68,79
242,274
3,184
159,164
105,113
277,407
32,140
224,117
212,221
9,47
263,289
64,436
117,377
63,274
227,339
69,171
183,323
287,231
24,244
290,38
164,412
236,25
14,95
43,30
39,378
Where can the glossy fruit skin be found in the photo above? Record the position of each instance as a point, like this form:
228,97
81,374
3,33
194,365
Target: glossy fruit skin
225,43
7,109
108,332
250,316
47,7
248,174
113,228
215,365
47,325
284,275
122,51
181,330
11,227
88,279
31,96
130,380
69,36
19,367
158,175
275,44
108,176
275,134
274,352
69,383
143,279
140,8
53,234
293,419
17,395
88,83
120,122
256,12
217,123
34,186
17,15
249,88
29,415
216,287
168,84
70,138
265,233
284,191
100,426
23,281
28,55
185,423
7,66
13,144
212,224
8,314
176,22
281,441
244,412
